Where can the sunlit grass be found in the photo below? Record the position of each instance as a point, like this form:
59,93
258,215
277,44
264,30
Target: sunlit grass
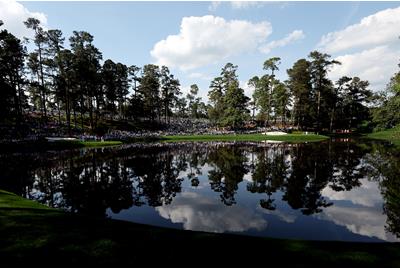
389,135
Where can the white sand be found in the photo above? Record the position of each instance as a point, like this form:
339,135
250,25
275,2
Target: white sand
275,133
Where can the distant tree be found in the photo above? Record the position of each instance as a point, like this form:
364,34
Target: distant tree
322,87
38,60
229,103
56,70
281,101
12,96
86,59
351,99
196,107
135,107
169,91
122,86
272,64
300,86
109,81
215,95
235,101
180,105
133,73
150,88
387,114
261,96
67,81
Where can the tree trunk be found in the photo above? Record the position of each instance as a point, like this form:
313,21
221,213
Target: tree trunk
42,81
75,123
318,108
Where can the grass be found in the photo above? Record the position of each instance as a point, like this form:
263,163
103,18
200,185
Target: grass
97,143
392,135
32,235
248,137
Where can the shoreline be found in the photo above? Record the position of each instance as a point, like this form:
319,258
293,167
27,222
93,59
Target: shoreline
42,145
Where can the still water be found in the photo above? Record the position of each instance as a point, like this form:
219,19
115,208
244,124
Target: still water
333,190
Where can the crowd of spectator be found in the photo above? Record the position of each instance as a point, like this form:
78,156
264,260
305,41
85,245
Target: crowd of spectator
36,130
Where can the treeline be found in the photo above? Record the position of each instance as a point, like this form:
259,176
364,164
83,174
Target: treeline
79,88
308,99
386,112
74,86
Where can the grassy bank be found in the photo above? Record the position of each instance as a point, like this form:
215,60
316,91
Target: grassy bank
248,137
32,235
392,135
96,143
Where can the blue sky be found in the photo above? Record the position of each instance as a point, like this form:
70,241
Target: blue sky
363,35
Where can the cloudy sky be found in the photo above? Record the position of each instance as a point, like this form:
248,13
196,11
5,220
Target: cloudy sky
195,39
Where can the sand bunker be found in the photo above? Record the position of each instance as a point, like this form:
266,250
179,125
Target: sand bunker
275,133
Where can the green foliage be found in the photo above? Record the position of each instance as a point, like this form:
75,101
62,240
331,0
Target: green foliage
387,115
150,89
392,134
299,84
75,84
229,103
12,97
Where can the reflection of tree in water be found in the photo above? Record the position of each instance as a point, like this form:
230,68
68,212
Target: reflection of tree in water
197,160
17,172
268,174
383,166
302,171
347,170
95,186
157,175
229,167
92,181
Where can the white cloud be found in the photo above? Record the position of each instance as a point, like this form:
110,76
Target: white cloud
288,216
209,39
246,4
294,36
365,216
13,15
376,65
200,213
367,194
248,90
381,28
185,89
365,221
369,49
199,75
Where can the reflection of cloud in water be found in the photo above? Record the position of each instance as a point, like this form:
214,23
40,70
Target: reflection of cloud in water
201,213
284,216
368,194
361,220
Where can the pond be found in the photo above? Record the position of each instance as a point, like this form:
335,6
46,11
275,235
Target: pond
342,189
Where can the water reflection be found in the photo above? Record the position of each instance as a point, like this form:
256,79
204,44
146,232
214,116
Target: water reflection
224,187
198,212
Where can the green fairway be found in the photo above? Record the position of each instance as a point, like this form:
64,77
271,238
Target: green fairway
248,137
32,235
99,143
